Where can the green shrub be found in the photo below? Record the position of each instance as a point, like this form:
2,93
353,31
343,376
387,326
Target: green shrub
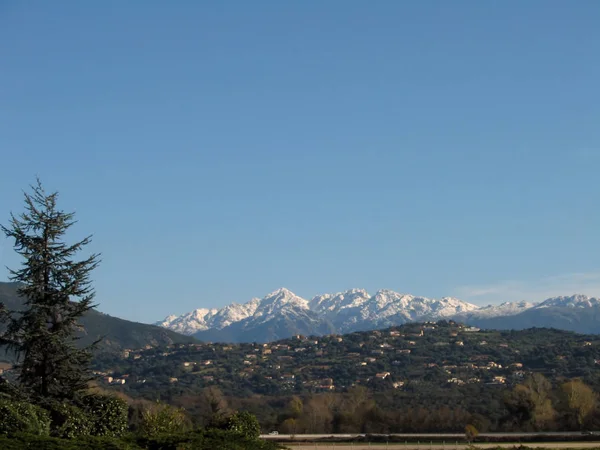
201,440
181,441
19,442
205,440
227,440
162,419
244,424
69,421
22,417
101,443
108,414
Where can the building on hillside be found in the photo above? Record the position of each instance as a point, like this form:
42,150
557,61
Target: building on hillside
499,380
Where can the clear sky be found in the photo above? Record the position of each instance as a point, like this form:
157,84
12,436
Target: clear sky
221,150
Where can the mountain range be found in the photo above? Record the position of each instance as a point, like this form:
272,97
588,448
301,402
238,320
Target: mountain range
282,314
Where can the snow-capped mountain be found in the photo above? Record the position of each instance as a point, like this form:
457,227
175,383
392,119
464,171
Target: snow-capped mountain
335,303
578,313
357,310
203,319
278,315
282,314
573,301
502,310
386,303
280,302
351,310
190,322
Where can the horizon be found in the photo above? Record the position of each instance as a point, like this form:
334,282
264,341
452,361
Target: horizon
215,151
370,293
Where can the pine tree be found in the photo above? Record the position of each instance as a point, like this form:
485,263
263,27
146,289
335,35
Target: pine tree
57,291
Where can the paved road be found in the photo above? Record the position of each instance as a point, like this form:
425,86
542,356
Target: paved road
422,436
333,446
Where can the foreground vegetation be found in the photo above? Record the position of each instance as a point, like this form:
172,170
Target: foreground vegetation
201,440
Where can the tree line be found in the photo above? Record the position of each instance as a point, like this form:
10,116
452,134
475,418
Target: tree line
535,404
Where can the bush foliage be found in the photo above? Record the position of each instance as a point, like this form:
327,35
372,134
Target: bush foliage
22,417
108,414
21,441
161,419
69,421
203,440
243,424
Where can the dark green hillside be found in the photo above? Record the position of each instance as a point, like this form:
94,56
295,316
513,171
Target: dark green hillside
119,334
442,354
418,377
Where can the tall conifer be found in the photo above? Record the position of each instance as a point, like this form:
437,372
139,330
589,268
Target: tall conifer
57,291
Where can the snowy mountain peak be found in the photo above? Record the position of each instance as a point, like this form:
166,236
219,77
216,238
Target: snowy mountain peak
503,309
167,320
341,300
351,310
281,292
387,303
347,310
388,294
282,297
189,323
521,304
384,297
573,301
449,306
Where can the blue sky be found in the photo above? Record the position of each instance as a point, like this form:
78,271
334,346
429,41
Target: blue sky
220,150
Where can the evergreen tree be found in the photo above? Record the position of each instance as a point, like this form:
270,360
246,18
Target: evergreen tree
57,291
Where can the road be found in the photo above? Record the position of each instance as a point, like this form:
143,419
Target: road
333,446
432,441
421,436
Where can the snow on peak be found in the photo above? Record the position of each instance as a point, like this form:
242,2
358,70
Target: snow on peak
355,309
573,301
281,299
503,309
234,313
387,303
281,292
450,306
167,320
334,303
191,322
345,309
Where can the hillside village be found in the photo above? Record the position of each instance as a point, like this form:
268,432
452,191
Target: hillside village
445,353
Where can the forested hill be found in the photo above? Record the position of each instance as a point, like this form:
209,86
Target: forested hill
415,370
117,333
442,354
